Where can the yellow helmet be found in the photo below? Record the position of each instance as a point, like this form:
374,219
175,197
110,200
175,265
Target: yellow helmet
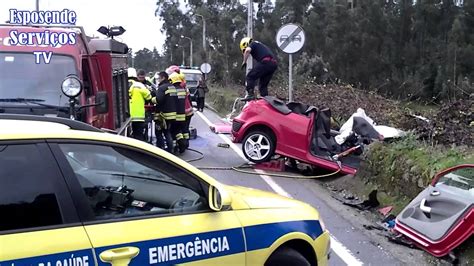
244,43
182,76
175,78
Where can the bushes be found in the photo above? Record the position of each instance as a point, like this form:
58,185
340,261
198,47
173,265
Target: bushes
404,167
222,98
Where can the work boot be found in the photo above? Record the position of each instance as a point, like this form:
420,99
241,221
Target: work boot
181,145
249,96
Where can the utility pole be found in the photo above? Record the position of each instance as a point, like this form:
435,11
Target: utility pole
183,58
203,32
190,50
191,53
37,5
249,30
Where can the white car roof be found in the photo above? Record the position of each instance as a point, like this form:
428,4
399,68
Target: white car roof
190,71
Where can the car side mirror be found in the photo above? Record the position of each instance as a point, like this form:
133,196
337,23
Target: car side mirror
102,102
219,199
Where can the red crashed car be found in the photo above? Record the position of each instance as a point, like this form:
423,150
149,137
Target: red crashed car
441,217
269,126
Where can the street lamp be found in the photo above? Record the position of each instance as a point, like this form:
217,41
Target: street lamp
183,63
203,31
190,50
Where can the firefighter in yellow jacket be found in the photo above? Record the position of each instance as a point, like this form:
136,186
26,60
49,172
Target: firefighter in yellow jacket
138,94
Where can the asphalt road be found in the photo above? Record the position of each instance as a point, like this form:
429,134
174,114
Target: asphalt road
351,244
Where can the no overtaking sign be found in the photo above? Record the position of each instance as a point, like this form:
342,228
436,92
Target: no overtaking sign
290,38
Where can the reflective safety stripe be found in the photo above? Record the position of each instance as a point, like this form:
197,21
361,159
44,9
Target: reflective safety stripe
188,248
171,91
180,117
164,116
169,116
179,136
186,135
137,119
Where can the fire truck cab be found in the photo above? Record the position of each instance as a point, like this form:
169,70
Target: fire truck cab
86,81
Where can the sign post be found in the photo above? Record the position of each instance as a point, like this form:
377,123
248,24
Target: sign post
290,39
290,77
249,32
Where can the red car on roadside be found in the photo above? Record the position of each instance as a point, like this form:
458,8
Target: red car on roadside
269,126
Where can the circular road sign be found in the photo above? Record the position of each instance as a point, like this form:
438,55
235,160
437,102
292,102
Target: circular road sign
290,38
205,68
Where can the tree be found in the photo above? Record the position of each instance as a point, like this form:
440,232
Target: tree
144,60
404,48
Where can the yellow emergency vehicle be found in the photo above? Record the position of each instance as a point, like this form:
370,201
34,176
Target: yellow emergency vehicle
71,194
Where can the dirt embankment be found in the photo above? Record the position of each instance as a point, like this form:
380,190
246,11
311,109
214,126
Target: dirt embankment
449,123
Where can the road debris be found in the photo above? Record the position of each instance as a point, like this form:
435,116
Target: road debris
385,210
368,204
221,128
223,145
346,129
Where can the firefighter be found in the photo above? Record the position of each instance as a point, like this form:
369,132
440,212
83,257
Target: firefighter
165,112
143,78
188,110
178,126
138,94
262,71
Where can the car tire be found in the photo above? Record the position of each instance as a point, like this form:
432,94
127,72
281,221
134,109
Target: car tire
258,146
287,256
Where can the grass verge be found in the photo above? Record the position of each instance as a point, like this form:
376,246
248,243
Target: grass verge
403,168
222,98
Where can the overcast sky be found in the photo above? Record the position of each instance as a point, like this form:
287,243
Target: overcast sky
136,16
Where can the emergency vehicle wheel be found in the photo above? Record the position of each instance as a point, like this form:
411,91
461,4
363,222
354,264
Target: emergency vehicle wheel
258,146
287,256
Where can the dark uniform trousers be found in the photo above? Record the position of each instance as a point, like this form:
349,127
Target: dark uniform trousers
262,71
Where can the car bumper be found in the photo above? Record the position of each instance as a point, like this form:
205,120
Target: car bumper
322,246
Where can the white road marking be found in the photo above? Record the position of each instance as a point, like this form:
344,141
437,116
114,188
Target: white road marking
273,184
342,252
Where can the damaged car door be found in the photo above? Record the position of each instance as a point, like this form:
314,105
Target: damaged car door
442,216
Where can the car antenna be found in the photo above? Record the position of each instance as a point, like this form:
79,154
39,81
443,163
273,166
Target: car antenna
59,102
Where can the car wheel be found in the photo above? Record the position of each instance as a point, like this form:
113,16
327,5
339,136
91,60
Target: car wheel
287,256
258,146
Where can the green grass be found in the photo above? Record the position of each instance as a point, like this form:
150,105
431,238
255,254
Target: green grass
403,168
222,98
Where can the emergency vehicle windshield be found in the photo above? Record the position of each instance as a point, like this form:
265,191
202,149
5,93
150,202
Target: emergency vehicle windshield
193,77
21,78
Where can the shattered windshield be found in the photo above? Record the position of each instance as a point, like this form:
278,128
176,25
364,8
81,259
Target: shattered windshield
21,78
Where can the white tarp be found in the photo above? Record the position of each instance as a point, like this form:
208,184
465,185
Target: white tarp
385,131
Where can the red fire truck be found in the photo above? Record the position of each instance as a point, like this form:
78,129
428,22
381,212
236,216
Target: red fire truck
86,81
